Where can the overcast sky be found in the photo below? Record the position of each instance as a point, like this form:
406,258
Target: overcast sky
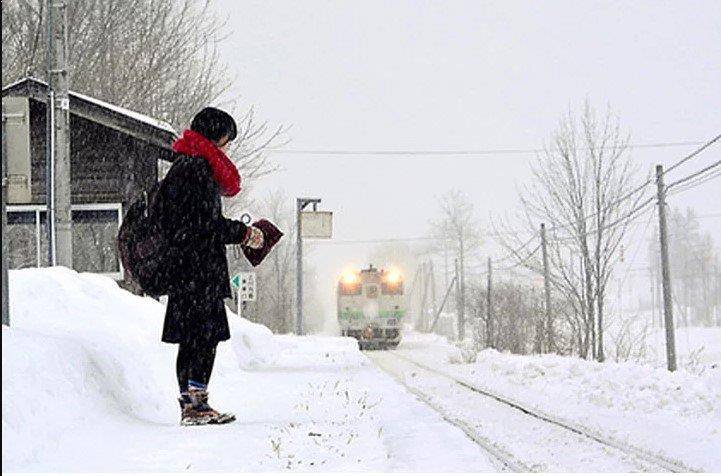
402,75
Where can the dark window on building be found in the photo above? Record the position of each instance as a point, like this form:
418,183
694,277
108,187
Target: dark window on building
22,237
94,238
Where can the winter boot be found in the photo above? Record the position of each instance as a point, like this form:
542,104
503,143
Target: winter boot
189,416
199,400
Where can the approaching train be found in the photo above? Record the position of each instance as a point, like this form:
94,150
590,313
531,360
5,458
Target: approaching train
371,307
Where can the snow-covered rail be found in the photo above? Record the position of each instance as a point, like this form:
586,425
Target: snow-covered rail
505,461
518,437
649,461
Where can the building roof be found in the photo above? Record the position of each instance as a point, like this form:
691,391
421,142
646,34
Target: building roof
138,125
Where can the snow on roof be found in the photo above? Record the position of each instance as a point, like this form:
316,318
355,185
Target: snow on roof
157,123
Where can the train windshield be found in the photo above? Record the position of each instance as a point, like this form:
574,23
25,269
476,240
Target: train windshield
392,288
351,289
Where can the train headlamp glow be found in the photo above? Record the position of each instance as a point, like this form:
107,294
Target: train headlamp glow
350,278
393,277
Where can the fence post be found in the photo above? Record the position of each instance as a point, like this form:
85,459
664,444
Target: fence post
666,272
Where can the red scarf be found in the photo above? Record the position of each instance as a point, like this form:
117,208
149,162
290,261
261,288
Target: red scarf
225,173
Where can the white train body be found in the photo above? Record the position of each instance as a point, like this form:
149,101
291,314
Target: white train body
372,307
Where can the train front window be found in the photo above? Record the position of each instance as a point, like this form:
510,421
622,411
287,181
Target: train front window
351,289
392,288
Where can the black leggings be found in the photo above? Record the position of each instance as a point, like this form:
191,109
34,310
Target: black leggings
195,361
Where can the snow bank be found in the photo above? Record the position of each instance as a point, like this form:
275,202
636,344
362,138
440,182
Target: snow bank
675,413
80,347
318,352
252,344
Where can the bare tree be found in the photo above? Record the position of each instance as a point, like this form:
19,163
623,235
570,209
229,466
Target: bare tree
276,275
158,57
583,190
694,269
457,228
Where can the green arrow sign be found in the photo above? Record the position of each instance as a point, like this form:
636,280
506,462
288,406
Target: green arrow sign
235,281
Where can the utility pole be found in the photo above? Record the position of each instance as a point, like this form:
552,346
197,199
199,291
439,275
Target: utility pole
665,272
433,295
460,301
547,289
462,286
424,294
443,302
445,258
489,307
5,241
58,198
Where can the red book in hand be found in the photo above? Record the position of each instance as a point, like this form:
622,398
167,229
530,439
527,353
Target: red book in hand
271,236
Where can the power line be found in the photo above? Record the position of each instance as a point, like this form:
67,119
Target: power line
694,175
410,239
648,181
514,252
693,154
696,183
467,152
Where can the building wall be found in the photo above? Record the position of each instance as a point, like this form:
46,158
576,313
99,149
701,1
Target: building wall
106,165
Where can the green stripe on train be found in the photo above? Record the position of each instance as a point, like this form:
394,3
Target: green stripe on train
398,313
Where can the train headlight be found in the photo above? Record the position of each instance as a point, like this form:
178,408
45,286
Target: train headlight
393,277
350,278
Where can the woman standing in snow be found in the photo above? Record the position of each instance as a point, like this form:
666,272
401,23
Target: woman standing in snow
191,217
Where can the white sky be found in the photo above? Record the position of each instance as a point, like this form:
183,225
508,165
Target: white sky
371,75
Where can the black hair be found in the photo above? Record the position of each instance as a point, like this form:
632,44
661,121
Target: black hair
214,124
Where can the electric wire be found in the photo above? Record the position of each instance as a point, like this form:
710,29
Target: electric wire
693,154
462,152
693,175
648,181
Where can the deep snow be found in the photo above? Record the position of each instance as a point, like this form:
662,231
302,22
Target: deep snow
87,386
676,414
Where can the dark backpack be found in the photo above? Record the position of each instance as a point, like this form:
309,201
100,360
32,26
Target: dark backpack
142,245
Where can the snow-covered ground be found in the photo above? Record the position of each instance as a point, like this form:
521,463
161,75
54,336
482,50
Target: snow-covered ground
87,386
635,339
673,414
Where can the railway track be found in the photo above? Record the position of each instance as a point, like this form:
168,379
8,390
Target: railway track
638,458
504,460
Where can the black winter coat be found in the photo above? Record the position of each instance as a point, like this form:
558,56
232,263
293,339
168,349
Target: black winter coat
190,212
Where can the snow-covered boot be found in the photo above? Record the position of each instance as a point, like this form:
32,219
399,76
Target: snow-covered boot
199,400
189,416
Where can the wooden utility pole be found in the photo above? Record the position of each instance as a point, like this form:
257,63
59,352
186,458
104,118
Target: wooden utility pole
462,289
489,308
5,241
434,303
443,302
58,140
421,326
459,319
666,272
547,290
